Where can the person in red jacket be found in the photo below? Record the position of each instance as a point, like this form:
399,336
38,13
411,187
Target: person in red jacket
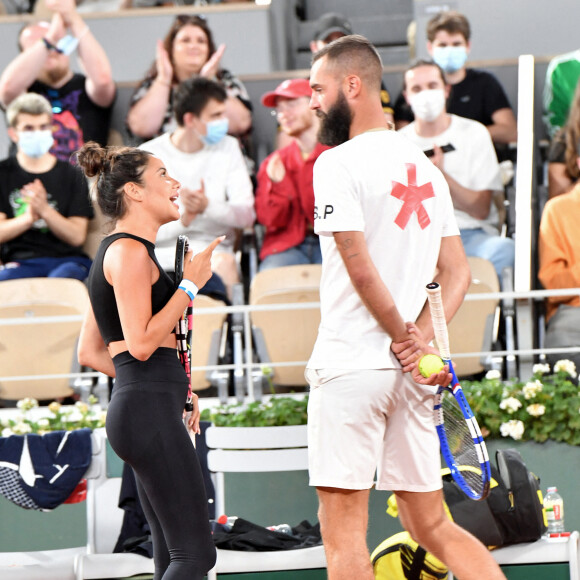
284,196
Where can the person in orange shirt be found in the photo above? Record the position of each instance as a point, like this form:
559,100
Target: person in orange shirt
559,253
284,196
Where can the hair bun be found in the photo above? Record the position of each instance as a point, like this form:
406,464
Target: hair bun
92,158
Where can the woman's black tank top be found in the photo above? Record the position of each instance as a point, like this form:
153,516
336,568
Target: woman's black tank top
102,294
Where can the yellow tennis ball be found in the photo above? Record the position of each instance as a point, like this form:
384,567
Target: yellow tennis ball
430,364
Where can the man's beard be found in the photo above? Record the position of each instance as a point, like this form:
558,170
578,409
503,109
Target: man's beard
55,75
335,125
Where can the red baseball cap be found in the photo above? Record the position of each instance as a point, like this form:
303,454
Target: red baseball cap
290,89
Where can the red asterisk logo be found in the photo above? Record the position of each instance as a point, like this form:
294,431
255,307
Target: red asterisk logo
412,196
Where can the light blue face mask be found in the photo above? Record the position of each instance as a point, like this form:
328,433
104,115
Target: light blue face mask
67,44
216,131
450,58
35,143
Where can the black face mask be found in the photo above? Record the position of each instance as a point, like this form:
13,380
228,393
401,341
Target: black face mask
335,125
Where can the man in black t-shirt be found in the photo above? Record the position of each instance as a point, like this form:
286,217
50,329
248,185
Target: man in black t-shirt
475,94
81,105
44,203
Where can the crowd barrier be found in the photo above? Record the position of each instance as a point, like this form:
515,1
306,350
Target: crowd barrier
248,365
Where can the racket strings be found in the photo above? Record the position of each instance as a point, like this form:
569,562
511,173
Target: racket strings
461,444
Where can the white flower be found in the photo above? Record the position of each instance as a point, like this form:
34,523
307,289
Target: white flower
541,369
102,417
505,393
21,428
566,366
513,429
536,410
44,422
93,399
54,407
82,407
7,432
532,388
511,404
27,404
492,374
74,416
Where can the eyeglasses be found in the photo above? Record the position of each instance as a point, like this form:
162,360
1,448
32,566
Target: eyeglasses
287,105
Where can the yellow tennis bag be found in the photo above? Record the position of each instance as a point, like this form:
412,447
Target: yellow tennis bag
401,558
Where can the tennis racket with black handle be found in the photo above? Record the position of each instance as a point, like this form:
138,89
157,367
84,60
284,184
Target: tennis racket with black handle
184,327
462,444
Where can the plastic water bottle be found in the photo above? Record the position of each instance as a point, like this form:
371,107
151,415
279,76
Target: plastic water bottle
227,522
554,506
282,528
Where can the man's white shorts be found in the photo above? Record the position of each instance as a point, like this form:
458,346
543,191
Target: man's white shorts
362,421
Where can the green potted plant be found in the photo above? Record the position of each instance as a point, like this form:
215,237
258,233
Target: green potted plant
54,417
546,407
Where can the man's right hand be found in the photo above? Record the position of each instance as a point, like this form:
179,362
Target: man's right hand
275,168
57,28
65,8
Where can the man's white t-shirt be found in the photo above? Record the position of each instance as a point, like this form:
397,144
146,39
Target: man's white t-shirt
473,164
381,184
227,186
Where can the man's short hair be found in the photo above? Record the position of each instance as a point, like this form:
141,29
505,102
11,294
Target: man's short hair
192,96
29,104
452,22
354,54
423,62
28,25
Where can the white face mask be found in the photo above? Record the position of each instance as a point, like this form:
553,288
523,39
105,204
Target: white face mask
428,105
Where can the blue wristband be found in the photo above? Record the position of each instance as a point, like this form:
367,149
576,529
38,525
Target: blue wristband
189,288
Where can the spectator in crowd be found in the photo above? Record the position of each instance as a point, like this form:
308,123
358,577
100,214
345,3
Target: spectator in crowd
284,197
563,169
331,26
462,149
475,94
187,50
559,254
44,202
216,191
81,103
561,80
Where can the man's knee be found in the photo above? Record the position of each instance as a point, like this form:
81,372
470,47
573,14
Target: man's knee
342,513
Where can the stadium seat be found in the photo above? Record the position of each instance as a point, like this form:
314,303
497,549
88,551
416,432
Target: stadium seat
474,326
39,348
258,450
286,335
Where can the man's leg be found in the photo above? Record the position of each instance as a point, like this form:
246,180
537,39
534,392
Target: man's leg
290,257
76,267
423,516
32,268
343,516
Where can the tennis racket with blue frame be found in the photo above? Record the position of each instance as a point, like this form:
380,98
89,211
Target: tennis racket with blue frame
460,437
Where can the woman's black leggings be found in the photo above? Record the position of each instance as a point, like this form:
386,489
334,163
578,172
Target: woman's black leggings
145,429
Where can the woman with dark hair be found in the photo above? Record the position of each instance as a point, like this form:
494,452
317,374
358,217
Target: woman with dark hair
187,50
563,171
128,334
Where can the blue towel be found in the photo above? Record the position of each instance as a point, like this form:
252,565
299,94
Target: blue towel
41,471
